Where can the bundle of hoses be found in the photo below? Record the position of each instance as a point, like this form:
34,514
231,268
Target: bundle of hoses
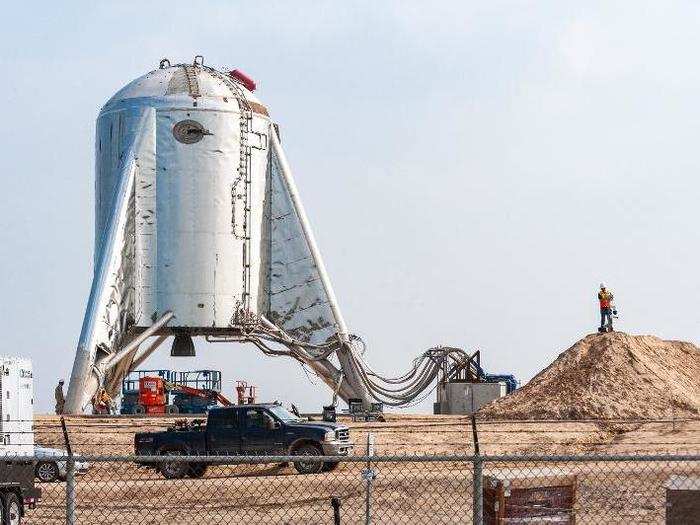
406,388
391,391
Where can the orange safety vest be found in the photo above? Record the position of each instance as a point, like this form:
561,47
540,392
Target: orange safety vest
605,298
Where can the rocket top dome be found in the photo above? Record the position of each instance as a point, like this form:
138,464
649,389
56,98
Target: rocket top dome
203,85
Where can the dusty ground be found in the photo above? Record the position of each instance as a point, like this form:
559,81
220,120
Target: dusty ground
403,492
424,434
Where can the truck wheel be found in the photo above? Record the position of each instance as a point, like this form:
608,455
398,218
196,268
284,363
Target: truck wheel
172,409
173,469
13,509
330,466
139,409
46,471
308,467
197,470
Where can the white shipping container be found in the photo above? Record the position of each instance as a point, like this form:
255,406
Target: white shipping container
16,406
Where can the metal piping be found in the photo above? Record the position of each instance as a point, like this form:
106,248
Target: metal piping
147,352
136,342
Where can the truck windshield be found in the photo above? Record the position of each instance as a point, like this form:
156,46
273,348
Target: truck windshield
283,414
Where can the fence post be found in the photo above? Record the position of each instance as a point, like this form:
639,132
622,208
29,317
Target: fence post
335,503
70,478
368,475
478,500
478,480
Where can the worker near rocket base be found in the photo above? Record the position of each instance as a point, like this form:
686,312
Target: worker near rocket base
605,298
59,397
102,402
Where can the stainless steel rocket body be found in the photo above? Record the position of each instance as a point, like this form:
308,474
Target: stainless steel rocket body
199,230
199,197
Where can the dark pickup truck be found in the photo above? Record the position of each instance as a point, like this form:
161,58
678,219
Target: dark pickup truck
254,430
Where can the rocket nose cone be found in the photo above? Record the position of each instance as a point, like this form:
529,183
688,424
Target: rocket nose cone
182,346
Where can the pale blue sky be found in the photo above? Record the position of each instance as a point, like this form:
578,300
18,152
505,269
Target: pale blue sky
471,170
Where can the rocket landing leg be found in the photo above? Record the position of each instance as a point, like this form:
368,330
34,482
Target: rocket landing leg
107,321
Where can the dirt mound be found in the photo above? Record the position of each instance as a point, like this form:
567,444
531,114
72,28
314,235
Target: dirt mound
611,376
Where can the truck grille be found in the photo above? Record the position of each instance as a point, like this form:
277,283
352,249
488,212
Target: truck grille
342,434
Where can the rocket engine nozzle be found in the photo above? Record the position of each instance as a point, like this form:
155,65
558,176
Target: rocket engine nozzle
183,346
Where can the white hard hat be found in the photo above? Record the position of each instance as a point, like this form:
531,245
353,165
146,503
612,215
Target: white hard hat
602,285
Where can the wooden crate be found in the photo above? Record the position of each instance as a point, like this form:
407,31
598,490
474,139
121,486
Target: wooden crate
529,497
683,500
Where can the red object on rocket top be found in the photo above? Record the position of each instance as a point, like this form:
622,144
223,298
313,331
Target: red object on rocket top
244,79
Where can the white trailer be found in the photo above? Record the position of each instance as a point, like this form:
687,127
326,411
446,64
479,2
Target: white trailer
16,406
17,490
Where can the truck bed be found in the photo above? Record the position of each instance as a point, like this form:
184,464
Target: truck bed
193,442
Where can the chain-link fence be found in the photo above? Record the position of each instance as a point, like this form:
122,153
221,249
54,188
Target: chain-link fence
371,489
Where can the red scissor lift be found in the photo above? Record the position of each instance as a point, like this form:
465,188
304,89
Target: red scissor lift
173,392
246,393
154,394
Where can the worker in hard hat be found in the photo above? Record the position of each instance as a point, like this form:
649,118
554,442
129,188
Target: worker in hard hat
605,298
60,398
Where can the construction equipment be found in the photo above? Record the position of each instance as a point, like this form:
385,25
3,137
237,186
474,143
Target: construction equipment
18,492
199,380
358,412
131,387
185,403
211,397
246,393
155,397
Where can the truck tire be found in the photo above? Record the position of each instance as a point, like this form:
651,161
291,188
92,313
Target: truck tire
139,409
46,471
196,470
173,469
330,466
12,509
172,409
308,467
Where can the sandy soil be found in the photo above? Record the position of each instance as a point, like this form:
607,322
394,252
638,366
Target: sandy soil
423,434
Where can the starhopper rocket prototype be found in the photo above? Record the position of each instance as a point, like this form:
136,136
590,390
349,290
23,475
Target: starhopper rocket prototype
200,231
